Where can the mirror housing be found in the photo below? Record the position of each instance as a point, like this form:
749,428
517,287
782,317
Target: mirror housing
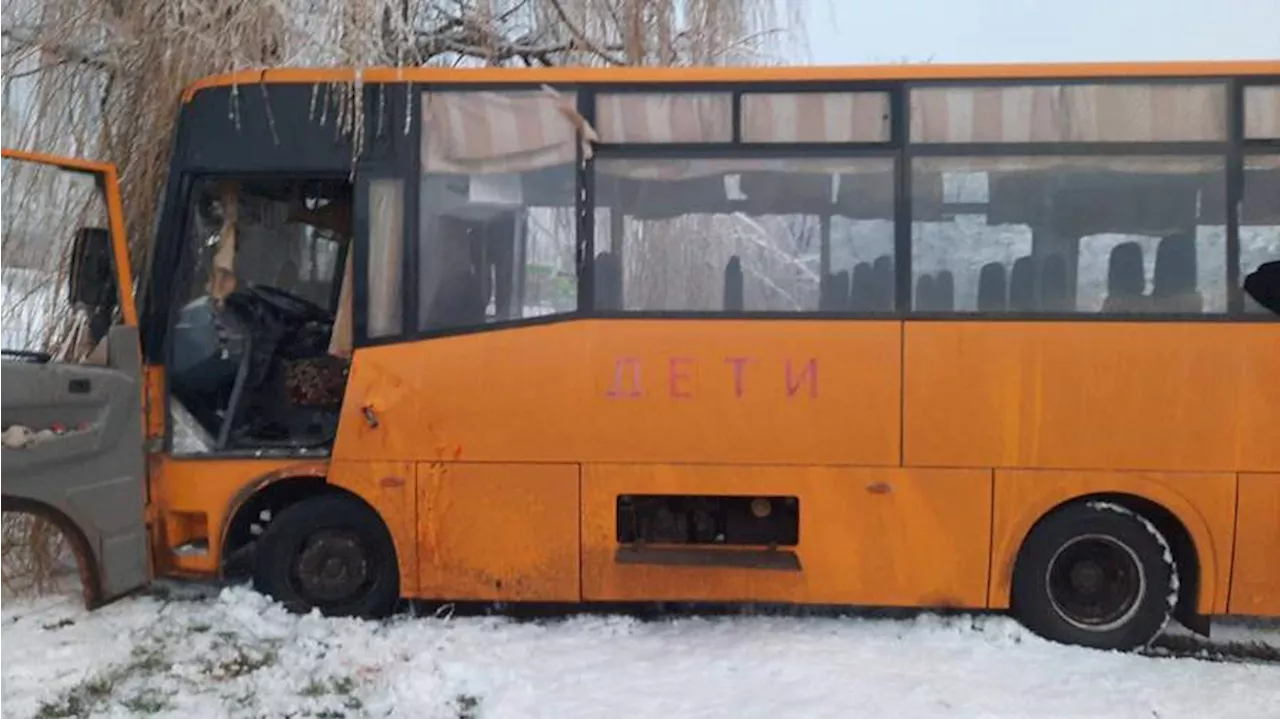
91,281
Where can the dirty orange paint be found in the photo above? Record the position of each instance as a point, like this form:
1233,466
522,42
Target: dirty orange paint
498,531
196,498
1255,577
1204,503
387,487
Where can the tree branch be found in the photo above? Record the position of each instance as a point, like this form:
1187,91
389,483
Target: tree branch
30,38
473,39
580,40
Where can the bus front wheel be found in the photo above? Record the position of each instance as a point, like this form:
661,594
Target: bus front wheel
1095,574
331,553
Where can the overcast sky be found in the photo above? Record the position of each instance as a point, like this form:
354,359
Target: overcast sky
944,31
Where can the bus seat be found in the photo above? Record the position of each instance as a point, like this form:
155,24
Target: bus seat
861,292
1053,284
882,282
1126,280
992,288
826,292
608,282
835,292
1262,286
459,301
945,288
734,300
1174,284
926,294
1022,285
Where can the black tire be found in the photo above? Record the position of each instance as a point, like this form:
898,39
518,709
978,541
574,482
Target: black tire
331,535
1096,575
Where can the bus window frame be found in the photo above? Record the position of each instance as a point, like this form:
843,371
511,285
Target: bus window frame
106,180
183,260
402,150
1242,148
896,146
407,162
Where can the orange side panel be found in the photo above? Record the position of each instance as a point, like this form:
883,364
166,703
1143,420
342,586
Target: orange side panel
203,494
716,391
153,404
1255,577
390,488
1203,502
887,537
498,531
1258,412
1161,396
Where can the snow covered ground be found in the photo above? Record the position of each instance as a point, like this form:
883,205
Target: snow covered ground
235,654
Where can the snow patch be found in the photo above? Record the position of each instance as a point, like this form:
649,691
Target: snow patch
238,654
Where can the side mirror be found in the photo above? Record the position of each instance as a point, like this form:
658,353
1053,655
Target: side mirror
92,278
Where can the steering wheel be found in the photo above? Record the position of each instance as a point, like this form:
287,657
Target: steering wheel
288,304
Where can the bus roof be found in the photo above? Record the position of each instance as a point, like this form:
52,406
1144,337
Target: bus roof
790,73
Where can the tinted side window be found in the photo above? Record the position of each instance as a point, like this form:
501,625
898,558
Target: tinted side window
497,233
1102,234
745,235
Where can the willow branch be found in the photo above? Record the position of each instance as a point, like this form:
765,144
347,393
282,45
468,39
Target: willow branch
31,39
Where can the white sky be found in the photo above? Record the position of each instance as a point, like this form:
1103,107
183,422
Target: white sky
950,31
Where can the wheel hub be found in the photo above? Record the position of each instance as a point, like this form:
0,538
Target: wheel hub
331,566
1095,582
1087,577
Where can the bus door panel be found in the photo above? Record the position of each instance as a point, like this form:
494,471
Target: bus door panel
73,455
72,410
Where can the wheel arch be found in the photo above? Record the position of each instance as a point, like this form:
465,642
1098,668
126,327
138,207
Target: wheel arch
1191,540
86,559
272,494
275,492
1181,544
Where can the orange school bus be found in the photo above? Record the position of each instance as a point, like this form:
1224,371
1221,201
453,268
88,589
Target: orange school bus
988,337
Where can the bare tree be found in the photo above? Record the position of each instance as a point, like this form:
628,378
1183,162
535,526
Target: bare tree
103,78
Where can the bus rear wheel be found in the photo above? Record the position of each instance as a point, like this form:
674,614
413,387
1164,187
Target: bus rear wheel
331,553
1095,574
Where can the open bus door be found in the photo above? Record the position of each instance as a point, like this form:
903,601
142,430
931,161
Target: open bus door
72,409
